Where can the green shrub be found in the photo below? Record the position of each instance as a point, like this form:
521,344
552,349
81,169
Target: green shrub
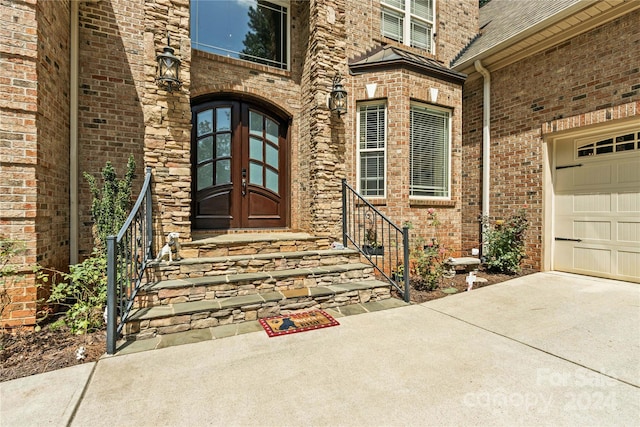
84,292
8,272
112,203
504,243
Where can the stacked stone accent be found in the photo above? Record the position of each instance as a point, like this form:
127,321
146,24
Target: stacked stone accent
558,89
249,280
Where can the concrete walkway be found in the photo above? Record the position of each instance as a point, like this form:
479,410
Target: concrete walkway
549,348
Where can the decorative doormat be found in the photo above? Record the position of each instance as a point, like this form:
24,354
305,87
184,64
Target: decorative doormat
297,322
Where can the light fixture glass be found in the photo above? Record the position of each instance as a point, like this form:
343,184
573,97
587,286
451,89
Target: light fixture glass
168,68
338,96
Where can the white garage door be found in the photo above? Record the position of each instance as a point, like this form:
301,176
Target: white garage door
596,228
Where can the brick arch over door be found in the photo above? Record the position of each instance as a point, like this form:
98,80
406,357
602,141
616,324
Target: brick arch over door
240,165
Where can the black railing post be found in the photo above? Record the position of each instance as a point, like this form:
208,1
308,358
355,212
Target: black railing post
111,295
344,212
149,218
405,275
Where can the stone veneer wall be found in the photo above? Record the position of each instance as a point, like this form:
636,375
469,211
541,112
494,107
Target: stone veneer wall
123,112
34,137
582,77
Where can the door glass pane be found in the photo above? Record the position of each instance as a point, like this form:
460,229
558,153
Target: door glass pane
255,174
223,119
205,122
272,131
205,149
272,180
272,156
205,176
255,148
223,171
255,123
223,145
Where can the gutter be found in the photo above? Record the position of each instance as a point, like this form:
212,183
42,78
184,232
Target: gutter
486,145
73,133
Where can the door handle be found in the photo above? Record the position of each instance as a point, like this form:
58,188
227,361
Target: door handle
566,239
244,182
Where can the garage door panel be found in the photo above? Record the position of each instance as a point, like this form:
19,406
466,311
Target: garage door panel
629,202
590,176
629,264
592,259
591,203
596,221
592,230
629,232
629,172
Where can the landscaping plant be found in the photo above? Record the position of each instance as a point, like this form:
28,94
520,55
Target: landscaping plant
84,289
426,257
504,243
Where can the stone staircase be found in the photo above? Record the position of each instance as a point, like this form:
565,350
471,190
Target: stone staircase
238,278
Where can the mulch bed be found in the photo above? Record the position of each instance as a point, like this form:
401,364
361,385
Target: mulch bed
27,353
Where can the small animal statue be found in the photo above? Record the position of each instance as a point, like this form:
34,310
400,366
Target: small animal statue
171,249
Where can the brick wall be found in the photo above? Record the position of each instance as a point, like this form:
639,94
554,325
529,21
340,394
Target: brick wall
587,74
111,78
34,196
456,24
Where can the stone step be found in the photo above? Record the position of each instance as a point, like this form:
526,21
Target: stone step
252,243
165,292
147,322
250,326
250,263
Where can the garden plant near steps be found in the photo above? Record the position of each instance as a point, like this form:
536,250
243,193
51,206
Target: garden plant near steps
84,289
504,243
427,258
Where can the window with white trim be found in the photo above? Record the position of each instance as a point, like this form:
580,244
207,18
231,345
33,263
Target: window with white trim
252,30
372,145
410,22
430,152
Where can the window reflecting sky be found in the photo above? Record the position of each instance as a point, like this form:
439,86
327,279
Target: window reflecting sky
220,23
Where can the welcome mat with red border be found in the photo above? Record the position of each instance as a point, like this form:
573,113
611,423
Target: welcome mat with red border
297,322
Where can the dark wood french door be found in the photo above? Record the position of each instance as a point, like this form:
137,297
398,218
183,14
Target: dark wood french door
240,164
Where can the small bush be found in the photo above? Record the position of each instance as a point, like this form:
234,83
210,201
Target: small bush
8,272
112,203
84,292
504,243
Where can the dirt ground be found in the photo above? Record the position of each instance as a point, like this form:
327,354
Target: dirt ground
27,353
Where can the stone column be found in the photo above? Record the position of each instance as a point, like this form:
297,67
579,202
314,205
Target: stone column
327,56
167,117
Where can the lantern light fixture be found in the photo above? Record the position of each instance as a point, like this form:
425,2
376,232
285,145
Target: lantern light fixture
168,68
338,96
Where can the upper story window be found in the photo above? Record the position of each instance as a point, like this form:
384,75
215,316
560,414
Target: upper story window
410,22
252,30
372,146
430,158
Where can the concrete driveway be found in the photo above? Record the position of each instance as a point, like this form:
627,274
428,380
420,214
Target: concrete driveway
545,349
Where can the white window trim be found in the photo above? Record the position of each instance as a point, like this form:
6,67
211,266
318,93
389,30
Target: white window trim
359,150
406,27
450,172
217,50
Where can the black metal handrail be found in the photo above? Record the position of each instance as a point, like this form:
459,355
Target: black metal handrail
383,243
127,256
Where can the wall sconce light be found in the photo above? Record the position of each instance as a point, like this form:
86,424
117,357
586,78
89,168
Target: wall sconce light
338,96
168,68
